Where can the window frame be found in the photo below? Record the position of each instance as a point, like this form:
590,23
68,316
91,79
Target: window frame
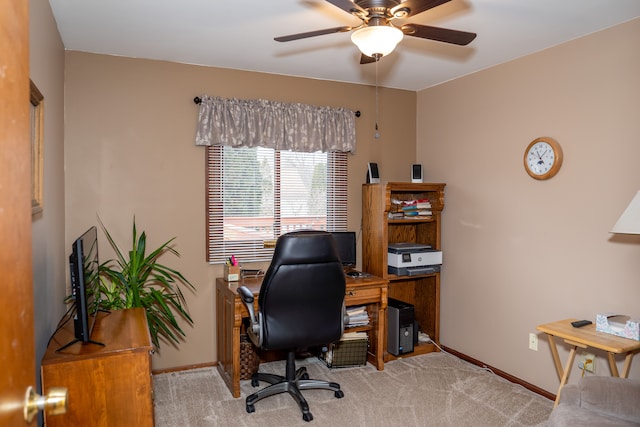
260,250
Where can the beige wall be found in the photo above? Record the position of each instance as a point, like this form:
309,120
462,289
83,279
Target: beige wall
129,150
520,252
517,252
48,232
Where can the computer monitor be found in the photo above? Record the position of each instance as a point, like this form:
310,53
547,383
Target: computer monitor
85,286
346,241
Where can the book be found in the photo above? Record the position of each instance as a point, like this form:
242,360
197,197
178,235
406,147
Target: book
356,309
357,316
353,336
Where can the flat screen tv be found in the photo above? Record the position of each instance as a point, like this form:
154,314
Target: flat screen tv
85,292
346,241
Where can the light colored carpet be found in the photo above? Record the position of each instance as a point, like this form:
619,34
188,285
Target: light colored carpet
435,389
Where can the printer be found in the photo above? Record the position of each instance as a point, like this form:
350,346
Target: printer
411,259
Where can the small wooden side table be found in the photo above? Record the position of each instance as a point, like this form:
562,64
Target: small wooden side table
584,337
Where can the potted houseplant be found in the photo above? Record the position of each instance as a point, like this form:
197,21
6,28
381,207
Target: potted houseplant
137,279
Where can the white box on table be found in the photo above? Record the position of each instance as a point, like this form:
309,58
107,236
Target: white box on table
619,325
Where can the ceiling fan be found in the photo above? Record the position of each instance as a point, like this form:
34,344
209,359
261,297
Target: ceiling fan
377,36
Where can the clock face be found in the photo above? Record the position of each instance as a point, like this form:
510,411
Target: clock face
542,158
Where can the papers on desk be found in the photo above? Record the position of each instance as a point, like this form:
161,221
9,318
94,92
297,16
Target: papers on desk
348,336
357,316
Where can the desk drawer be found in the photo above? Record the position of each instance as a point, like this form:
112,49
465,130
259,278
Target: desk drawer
356,296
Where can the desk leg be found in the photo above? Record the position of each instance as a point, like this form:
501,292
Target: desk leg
235,375
556,358
567,371
627,365
228,321
613,366
380,339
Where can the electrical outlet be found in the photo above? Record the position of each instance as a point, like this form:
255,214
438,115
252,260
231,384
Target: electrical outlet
533,342
588,363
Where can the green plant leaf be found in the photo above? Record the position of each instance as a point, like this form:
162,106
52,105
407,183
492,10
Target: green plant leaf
139,280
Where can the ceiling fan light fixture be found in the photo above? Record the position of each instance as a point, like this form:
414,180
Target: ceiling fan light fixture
377,41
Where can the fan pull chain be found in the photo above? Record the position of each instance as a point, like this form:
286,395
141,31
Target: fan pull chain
376,135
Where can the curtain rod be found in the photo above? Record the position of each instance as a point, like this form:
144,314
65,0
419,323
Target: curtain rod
198,100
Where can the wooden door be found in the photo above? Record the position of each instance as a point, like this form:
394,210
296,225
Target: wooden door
17,354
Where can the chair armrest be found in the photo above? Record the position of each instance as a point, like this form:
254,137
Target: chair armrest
345,316
254,331
247,298
245,294
611,395
570,395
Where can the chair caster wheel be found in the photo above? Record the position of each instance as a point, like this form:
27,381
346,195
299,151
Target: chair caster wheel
307,417
251,408
339,394
255,383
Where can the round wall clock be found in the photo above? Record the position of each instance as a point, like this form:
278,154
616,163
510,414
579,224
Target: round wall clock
543,158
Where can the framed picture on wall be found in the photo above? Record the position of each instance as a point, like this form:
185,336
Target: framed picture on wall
37,148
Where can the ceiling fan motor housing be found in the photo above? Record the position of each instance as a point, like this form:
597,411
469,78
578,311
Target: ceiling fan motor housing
377,36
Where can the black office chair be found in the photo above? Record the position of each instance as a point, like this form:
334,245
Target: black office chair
301,305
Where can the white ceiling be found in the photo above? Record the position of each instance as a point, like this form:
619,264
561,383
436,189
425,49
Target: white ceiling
239,35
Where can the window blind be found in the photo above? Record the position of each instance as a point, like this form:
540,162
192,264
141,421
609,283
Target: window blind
255,194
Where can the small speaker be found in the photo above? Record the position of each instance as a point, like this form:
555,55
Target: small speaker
373,176
416,173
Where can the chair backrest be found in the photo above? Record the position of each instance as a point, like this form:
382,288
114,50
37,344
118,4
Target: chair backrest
302,294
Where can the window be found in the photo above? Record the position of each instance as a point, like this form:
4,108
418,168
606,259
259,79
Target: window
256,194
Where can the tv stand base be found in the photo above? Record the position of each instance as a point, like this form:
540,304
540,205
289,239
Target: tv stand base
69,344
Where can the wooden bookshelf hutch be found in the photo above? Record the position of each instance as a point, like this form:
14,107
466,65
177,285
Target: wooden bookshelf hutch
378,231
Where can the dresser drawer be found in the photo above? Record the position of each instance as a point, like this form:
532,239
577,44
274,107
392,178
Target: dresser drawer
356,296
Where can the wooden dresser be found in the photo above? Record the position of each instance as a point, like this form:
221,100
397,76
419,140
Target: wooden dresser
107,386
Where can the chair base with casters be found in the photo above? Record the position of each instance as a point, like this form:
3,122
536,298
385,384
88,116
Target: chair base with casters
300,305
293,383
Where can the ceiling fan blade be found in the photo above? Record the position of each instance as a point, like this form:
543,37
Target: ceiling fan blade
445,35
414,7
349,7
364,59
312,34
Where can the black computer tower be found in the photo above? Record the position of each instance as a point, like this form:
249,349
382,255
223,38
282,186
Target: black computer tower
401,322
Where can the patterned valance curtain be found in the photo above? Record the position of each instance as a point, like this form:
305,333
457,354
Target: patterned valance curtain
277,125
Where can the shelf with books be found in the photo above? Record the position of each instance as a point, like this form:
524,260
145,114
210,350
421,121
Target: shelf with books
410,209
357,316
364,328
410,220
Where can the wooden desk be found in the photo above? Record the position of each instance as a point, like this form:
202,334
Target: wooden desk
110,385
370,291
587,337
